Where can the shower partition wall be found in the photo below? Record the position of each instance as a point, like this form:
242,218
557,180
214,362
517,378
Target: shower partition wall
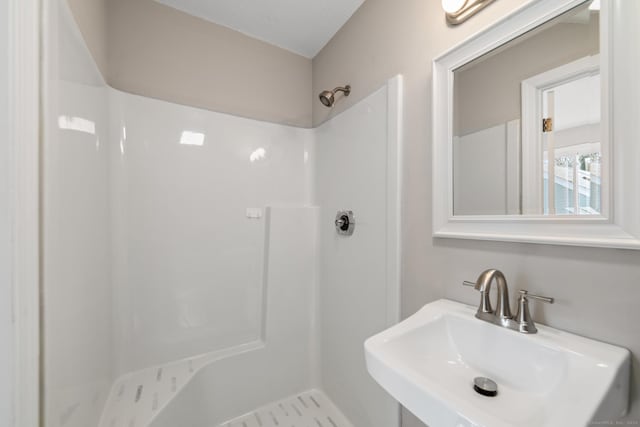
76,229
357,168
192,274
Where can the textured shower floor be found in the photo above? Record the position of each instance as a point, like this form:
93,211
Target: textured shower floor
137,398
309,409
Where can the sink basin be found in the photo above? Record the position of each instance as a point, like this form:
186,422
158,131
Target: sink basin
429,361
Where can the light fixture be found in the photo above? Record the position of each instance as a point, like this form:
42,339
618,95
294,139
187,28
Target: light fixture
458,11
453,6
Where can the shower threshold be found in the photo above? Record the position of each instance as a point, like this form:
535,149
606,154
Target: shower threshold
308,409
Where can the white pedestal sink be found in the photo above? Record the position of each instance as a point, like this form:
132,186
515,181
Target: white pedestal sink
553,378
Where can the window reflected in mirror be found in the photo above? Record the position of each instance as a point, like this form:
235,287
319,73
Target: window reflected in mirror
572,139
527,134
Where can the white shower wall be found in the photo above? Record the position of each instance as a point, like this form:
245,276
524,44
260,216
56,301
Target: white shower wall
176,234
357,165
76,270
188,253
6,241
285,361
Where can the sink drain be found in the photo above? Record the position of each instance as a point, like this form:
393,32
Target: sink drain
485,386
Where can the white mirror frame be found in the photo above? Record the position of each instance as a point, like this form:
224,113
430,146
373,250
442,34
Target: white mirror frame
617,228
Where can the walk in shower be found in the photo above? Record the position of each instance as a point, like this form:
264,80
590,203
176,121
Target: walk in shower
192,272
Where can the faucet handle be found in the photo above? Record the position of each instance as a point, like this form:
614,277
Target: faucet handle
523,317
526,294
468,283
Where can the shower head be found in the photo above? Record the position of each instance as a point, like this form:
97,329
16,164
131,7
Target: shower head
328,97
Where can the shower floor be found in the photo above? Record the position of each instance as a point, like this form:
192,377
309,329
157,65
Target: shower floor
309,409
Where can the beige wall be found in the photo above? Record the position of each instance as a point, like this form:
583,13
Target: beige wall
597,290
149,49
490,88
91,16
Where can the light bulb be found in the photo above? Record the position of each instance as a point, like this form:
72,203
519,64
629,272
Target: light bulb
453,6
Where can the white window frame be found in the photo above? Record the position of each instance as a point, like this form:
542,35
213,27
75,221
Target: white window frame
532,138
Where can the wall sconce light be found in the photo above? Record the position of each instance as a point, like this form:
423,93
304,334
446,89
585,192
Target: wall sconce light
458,11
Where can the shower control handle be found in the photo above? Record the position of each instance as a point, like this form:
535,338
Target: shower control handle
345,223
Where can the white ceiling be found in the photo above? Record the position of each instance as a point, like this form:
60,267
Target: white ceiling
301,26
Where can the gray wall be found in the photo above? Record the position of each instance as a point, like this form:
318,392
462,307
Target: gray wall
597,290
6,296
149,49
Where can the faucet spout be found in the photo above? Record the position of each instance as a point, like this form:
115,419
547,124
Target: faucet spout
483,284
522,321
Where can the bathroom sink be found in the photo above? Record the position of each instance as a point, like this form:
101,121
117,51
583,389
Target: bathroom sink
429,362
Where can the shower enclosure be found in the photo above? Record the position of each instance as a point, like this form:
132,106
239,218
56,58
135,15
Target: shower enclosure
192,272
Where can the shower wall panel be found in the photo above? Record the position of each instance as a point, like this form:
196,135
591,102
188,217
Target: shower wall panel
189,188
6,244
357,167
76,236
285,362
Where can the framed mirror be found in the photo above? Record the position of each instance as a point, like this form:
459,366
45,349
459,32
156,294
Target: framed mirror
525,143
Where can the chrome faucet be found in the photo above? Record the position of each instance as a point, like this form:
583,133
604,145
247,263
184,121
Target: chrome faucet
522,321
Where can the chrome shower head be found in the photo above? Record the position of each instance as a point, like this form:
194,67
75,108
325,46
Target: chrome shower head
328,97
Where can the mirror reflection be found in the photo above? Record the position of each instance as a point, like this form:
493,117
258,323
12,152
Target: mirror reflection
527,134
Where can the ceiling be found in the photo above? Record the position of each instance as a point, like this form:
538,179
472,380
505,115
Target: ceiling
301,26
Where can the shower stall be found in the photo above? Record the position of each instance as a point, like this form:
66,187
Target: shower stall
192,272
